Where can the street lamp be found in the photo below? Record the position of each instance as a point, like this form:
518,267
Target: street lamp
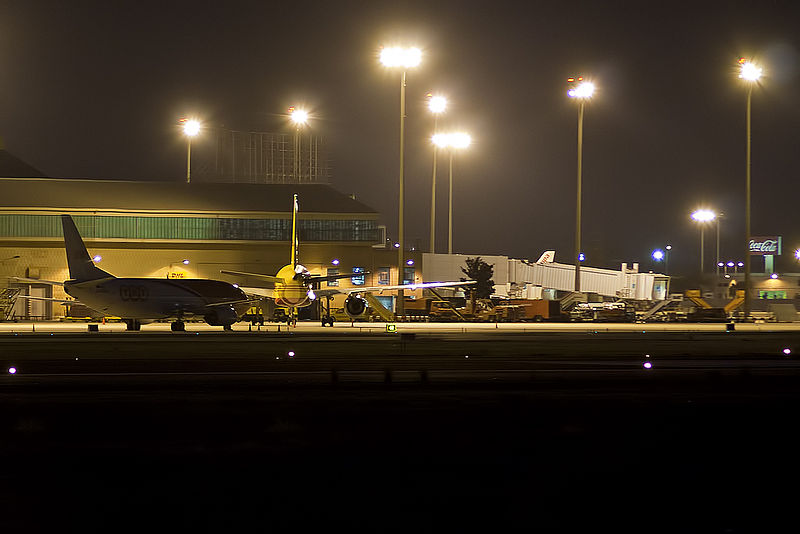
702,217
437,105
749,72
191,128
581,91
453,142
299,117
404,58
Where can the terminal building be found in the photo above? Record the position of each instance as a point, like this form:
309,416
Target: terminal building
195,230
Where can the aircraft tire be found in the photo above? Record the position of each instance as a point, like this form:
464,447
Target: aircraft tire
178,326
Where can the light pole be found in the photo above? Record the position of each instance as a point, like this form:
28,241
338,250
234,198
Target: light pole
667,249
191,128
582,92
437,105
749,72
404,58
451,141
702,217
299,117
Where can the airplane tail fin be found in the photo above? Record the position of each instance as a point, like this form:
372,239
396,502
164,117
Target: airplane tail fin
295,243
81,266
548,257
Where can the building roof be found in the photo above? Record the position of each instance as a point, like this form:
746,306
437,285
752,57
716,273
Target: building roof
11,165
67,194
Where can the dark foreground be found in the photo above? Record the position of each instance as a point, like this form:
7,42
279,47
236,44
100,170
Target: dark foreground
523,442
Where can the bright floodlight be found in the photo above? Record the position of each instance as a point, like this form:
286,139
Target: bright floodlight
658,255
441,140
299,116
704,215
460,140
749,71
582,90
191,127
797,254
401,57
437,104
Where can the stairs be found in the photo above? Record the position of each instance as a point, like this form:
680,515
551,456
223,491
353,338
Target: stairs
8,297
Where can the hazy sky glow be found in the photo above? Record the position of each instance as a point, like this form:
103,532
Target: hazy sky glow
95,89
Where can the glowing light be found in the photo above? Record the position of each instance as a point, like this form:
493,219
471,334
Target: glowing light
397,245
704,215
669,247
467,356
298,116
395,56
774,276
12,370
236,286
749,71
581,257
582,90
731,264
740,264
191,127
290,354
312,295
787,351
437,104
335,262
460,140
647,365
97,259
409,262
797,254
441,140
658,254
185,262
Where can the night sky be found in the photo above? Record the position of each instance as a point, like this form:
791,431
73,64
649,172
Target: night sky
94,89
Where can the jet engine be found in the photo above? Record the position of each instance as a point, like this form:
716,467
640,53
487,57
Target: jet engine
221,316
355,306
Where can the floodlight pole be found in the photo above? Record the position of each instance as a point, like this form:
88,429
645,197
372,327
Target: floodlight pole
188,159
450,217
401,305
433,191
747,296
578,199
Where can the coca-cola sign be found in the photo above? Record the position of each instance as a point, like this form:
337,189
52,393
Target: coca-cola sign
765,246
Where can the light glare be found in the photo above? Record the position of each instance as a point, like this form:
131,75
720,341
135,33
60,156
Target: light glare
749,71
299,116
401,57
658,255
437,104
582,90
12,370
704,215
191,127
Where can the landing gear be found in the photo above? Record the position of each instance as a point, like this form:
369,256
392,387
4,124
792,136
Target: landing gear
178,326
227,327
327,320
132,325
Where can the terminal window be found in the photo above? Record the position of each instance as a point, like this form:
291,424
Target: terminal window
359,279
383,276
409,274
332,272
770,295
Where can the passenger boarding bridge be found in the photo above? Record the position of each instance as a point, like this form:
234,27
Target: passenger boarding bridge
525,279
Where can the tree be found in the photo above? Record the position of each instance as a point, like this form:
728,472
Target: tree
482,272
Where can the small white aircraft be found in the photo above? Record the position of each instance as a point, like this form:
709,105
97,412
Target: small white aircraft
135,299
294,286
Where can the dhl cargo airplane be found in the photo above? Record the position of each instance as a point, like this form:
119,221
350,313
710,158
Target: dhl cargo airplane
135,299
294,286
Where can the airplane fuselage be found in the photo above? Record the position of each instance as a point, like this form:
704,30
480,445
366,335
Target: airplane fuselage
153,298
291,293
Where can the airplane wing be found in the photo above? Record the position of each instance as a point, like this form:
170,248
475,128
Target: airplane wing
380,289
332,277
267,277
35,281
231,302
47,299
259,291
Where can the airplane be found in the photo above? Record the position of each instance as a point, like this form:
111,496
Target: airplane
135,299
293,284
547,257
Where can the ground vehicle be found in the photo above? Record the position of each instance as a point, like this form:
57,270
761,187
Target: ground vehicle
603,312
